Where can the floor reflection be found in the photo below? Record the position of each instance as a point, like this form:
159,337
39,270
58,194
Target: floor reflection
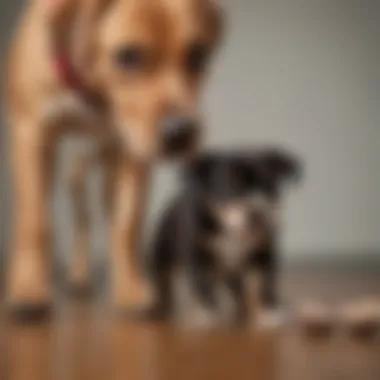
83,342
28,352
81,346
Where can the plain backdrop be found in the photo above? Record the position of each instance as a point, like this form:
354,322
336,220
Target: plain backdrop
302,74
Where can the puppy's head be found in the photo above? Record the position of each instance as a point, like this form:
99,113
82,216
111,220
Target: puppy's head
242,190
148,58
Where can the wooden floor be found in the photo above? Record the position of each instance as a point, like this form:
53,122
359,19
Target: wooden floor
82,342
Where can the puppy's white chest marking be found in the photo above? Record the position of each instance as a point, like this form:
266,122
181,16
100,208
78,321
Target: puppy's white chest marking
234,219
231,248
231,245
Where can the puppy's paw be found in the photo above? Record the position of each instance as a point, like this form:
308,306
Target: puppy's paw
199,319
270,319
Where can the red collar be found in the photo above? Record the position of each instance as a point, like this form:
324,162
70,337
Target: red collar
72,79
67,73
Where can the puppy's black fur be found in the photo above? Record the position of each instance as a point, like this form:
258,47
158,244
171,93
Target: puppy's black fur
225,179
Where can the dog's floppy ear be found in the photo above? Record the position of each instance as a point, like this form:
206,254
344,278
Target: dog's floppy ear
54,7
281,166
216,18
71,25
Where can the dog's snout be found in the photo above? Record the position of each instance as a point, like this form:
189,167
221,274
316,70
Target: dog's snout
179,133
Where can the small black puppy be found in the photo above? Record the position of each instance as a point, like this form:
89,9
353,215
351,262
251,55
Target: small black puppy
214,258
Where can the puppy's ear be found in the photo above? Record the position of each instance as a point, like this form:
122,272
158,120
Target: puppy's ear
281,166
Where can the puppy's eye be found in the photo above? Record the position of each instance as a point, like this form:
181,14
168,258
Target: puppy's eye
208,223
197,57
129,57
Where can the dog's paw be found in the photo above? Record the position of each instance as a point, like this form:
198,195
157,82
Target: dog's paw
198,319
134,298
79,276
28,288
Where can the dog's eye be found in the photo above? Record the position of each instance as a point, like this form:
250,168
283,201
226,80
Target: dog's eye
129,57
197,57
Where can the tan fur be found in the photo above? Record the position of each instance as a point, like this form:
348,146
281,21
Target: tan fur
41,109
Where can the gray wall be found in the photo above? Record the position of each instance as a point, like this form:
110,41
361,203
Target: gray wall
8,13
307,74
303,74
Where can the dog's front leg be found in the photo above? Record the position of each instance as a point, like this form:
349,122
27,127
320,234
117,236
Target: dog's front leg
130,289
28,276
79,270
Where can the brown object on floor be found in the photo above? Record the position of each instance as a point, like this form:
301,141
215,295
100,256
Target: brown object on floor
316,319
362,318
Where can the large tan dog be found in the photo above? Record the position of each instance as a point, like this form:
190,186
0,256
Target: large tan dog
124,70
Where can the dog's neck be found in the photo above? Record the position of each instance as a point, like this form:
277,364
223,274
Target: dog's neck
73,80
67,73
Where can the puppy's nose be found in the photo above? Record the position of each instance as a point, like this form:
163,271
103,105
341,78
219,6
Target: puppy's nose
179,133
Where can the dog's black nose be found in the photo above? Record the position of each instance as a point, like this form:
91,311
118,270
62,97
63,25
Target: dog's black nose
179,133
